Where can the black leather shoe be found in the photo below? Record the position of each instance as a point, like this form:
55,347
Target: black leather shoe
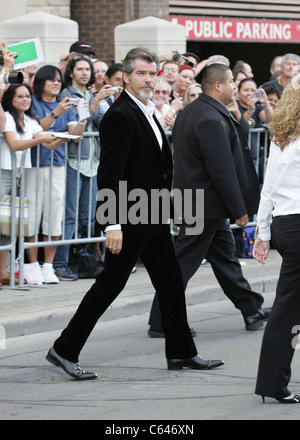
196,363
255,322
286,400
70,368
157,332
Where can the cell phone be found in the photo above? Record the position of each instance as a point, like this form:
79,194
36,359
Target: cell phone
257,94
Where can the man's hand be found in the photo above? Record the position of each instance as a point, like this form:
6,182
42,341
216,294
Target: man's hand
63,106
243,220
114,240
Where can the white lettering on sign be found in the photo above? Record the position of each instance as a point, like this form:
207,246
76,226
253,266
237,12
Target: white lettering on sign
239,30
262,31
208,29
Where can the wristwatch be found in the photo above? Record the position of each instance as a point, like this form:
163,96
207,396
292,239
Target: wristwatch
53,115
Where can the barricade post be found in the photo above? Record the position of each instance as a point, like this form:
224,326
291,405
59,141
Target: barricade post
10,246
261,146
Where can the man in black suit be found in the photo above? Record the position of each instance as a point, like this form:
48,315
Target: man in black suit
212,153
135,155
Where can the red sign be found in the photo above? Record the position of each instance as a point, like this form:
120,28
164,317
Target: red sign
227,29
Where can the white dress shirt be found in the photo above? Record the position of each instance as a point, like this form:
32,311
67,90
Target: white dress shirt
148,111
281,190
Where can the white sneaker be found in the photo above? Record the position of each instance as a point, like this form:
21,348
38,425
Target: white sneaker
33,273
49,274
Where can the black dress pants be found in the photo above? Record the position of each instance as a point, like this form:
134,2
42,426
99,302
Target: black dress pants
280,337
157,254
217,244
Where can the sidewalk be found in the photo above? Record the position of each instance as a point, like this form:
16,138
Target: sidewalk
50,307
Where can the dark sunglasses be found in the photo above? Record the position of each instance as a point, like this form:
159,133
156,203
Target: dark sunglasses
81,57
194,95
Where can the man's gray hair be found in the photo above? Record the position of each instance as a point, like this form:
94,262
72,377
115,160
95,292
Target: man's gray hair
139,53
290,56
218,59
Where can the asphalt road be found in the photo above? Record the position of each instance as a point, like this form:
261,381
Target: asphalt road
134,385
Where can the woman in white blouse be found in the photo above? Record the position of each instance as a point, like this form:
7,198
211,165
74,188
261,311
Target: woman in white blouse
22,131
279,217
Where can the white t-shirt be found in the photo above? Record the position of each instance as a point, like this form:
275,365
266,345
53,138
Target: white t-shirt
31,127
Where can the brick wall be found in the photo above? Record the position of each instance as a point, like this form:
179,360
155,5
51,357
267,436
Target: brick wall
97,20
56,7
156,8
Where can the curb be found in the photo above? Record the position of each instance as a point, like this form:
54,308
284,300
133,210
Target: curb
123,307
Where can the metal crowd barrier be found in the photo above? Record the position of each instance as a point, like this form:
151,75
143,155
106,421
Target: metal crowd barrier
8,243
262,146
23,244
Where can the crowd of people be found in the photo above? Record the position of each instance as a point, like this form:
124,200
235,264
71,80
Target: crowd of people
75,98
81,76
53,107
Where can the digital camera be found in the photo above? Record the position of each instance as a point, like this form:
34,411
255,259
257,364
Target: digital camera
1,57
176,57
11,78
73,101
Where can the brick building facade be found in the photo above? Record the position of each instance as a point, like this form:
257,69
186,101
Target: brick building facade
98,18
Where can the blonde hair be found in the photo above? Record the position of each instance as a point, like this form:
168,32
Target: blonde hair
162,83
3,44
285,125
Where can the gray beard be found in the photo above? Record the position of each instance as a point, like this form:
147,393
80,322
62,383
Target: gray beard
144,96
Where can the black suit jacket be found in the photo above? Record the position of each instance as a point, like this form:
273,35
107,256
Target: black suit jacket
211,153
131,153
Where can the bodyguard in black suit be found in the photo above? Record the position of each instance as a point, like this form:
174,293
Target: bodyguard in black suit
211,153
135,152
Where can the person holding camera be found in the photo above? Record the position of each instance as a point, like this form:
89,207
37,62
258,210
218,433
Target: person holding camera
255,109
22,131
56,115
78,77
188,58
7,59
108,83
114,82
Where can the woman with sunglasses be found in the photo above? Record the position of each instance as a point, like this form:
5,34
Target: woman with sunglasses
192,92
164,111
22,131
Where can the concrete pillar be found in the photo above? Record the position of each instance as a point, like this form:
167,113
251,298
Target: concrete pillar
159,35
55,33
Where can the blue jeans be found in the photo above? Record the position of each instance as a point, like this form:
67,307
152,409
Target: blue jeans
62,252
